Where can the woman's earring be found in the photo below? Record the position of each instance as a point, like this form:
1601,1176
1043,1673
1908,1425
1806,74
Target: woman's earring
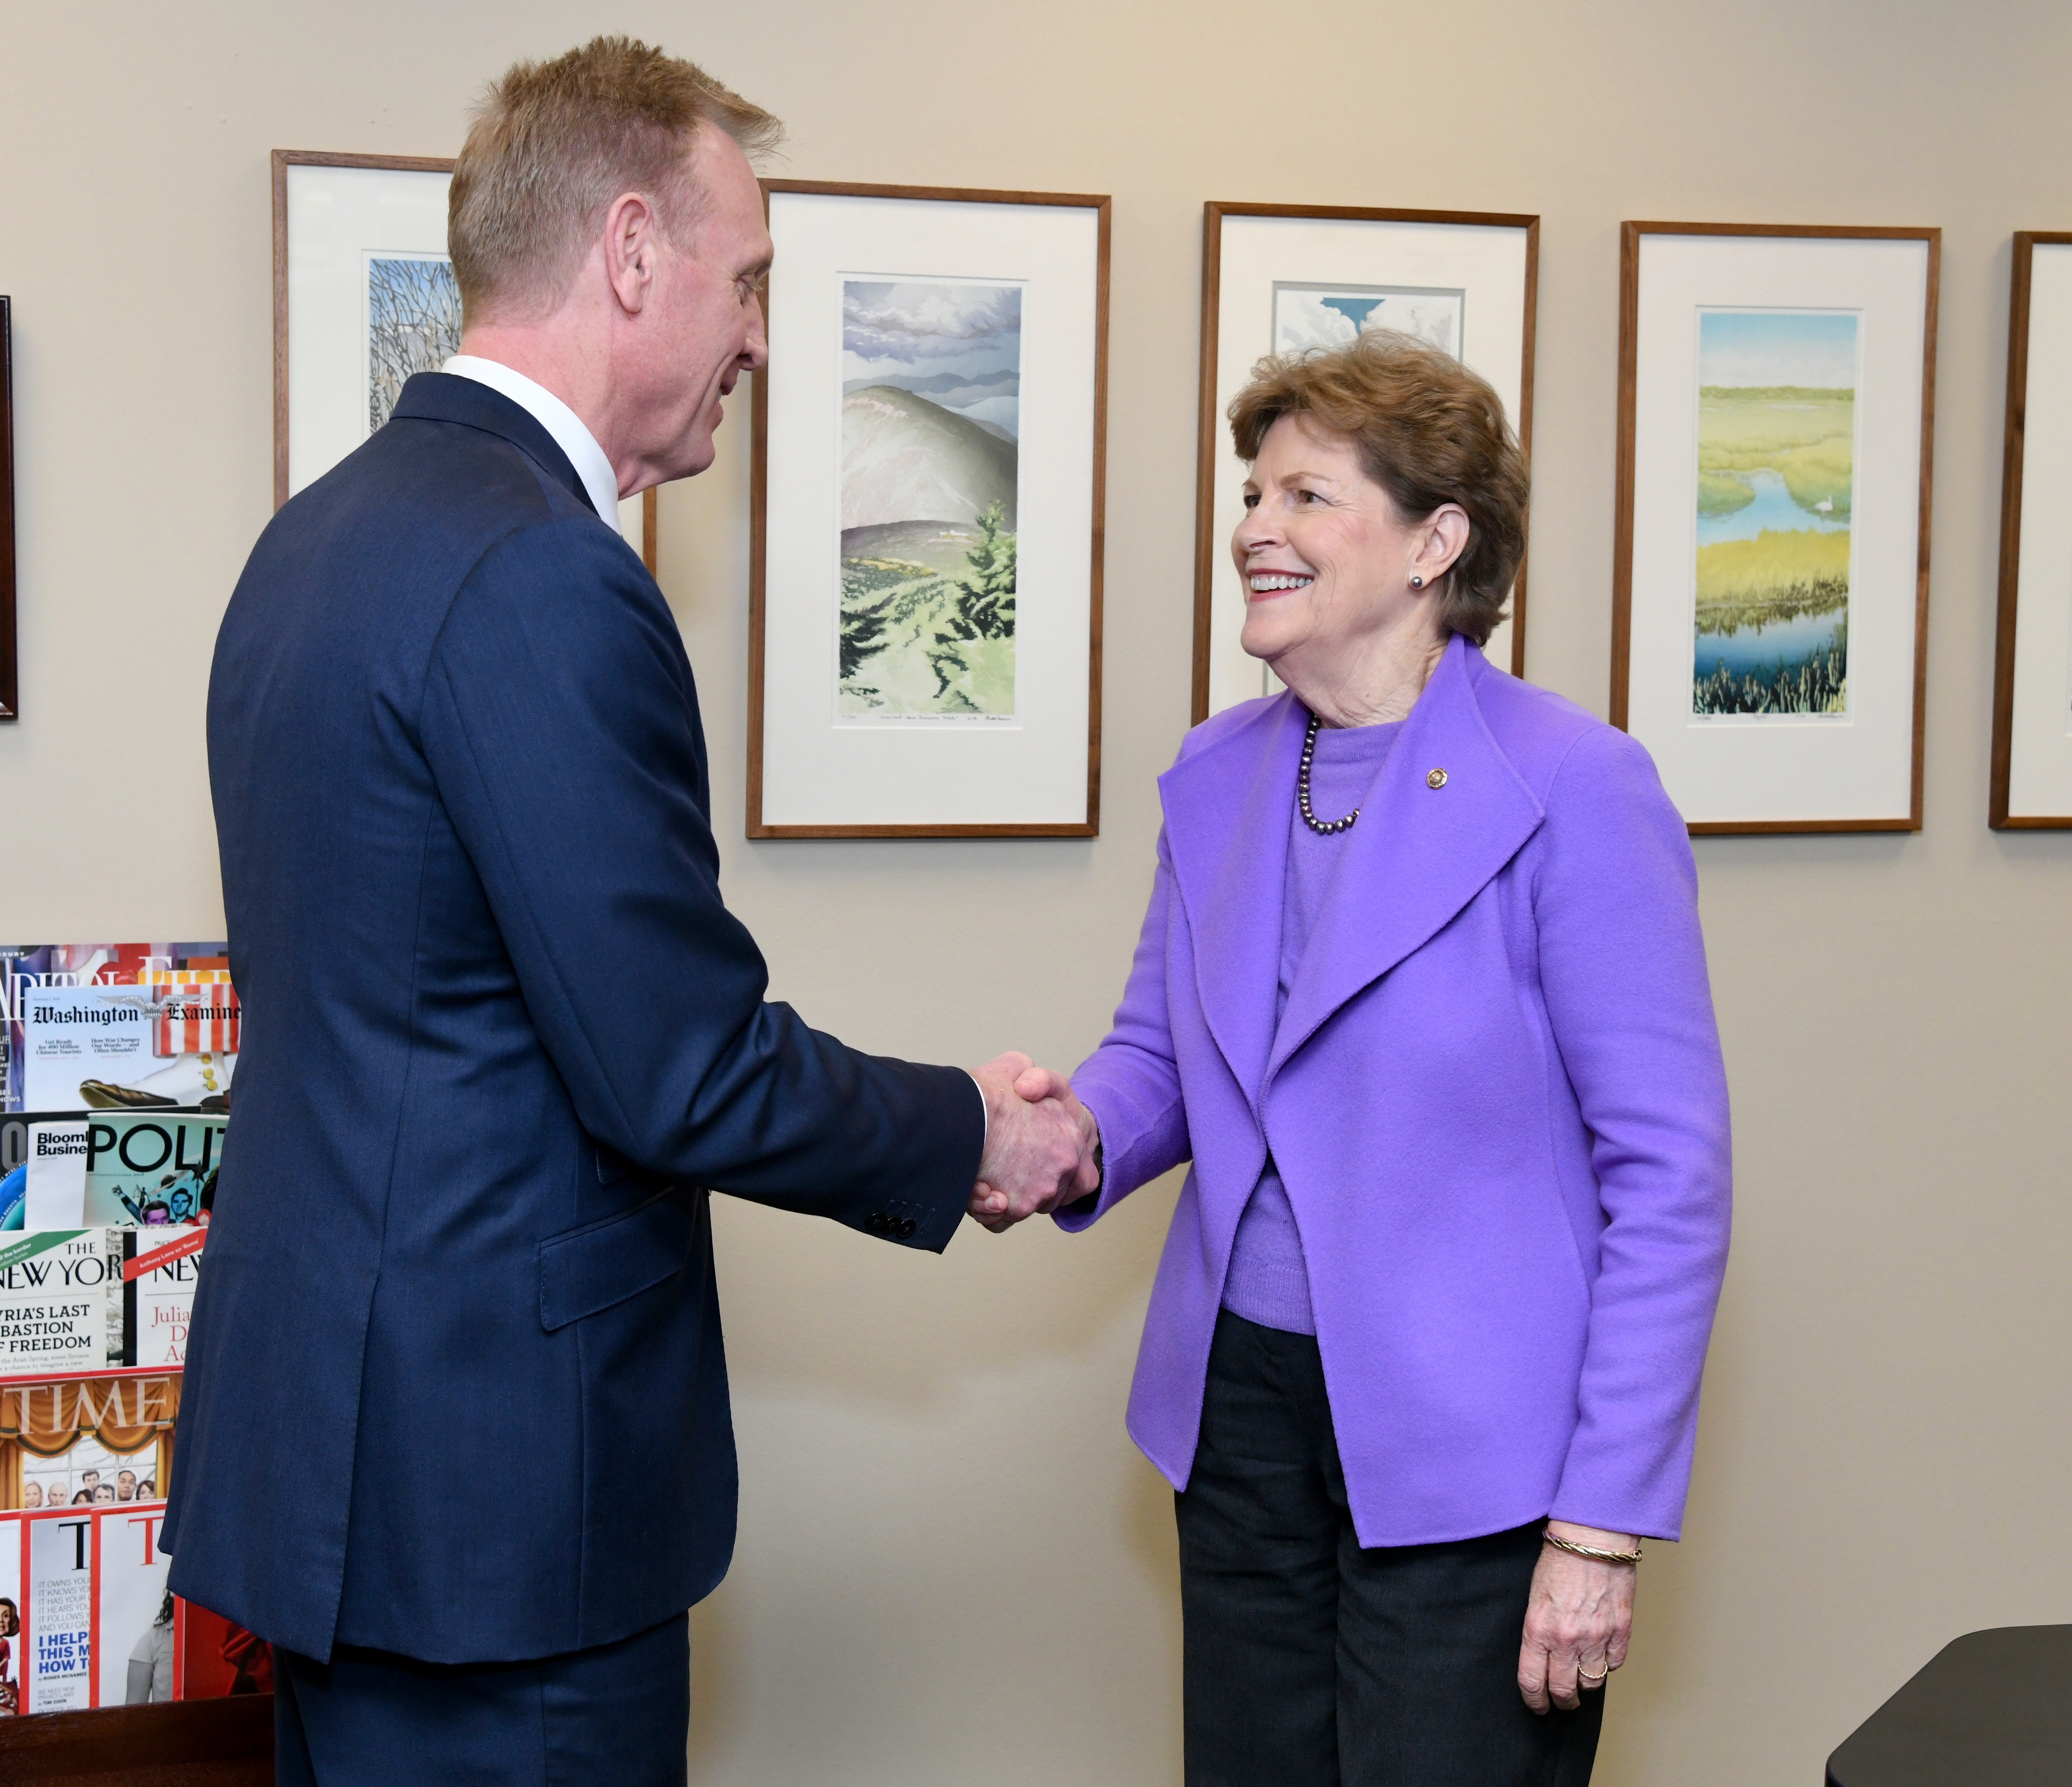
1417,582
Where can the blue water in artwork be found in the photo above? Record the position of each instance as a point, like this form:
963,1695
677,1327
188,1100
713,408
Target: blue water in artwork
1773,508
1765,649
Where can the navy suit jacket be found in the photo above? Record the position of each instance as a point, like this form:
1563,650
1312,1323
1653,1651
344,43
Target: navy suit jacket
456,1387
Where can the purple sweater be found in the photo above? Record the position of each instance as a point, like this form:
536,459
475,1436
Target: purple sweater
1267,1282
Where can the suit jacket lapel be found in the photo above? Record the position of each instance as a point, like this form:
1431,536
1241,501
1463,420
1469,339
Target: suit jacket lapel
1226,818
1418,854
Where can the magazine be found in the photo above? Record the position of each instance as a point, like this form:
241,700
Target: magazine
11,1614
64,1305
96,1298
161,1271
89,1473
84,1590
114,1169
214,1656
106,1439
115,1026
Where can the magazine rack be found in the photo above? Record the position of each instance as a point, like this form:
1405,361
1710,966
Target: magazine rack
226,1742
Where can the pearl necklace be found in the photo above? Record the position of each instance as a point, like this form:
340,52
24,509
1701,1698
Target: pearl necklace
1323,827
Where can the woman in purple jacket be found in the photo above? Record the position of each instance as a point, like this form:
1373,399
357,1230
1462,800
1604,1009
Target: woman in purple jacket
1421,994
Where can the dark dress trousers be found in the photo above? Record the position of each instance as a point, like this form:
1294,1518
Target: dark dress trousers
456,1390
612,1716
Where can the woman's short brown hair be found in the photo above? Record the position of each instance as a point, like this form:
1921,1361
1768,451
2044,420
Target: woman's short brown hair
1428,431
553,143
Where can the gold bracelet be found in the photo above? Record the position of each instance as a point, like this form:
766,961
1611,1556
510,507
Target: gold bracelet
1591,1550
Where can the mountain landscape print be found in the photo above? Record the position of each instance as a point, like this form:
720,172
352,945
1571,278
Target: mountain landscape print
930,426
1777,436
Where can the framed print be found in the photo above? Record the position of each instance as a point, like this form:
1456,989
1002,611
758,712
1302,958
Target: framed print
1769,614
2031,774
925,559
9,681
1277,278
363,296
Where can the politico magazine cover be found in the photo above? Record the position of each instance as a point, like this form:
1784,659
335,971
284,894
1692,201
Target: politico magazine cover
117,1025
72,1170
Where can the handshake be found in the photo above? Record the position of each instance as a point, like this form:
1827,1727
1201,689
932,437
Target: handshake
1040,1143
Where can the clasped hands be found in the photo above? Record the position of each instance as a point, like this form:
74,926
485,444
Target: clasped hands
1039,1144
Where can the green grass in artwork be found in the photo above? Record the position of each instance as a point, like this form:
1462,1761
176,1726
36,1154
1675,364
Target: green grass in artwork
915,641
1722,493
1805,434
1775,575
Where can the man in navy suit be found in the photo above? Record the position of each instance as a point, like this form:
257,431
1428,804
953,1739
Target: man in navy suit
502,1037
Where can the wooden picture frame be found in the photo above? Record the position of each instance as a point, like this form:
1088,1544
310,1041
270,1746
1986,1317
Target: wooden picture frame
1854,764
2031,786
842,741
10,705
290,476
1489,267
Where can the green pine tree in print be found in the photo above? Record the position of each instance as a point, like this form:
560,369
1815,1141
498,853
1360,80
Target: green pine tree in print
986,603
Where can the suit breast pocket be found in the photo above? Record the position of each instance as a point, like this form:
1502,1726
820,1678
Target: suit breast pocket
604,1263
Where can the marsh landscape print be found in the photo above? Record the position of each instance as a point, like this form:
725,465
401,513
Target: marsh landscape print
930,499
1776,430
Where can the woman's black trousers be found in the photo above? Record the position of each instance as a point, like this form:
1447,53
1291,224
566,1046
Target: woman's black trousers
1312,1662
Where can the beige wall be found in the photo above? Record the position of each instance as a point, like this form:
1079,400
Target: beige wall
952,1567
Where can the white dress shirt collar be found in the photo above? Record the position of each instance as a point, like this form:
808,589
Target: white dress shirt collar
558,419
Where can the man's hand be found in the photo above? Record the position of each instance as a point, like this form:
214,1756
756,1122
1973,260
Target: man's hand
1039,1144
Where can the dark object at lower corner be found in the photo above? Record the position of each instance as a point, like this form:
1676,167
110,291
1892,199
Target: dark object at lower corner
177,1744
1989,1710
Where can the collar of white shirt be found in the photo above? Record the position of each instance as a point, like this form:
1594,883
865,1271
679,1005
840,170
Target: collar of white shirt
559,421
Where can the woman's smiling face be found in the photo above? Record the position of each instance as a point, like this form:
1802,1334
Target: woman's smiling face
1324,557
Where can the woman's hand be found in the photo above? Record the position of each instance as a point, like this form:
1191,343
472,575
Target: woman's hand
1578,1621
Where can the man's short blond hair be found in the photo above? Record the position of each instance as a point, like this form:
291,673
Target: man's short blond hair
551,145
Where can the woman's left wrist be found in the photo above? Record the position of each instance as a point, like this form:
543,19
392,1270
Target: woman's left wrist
1593,1538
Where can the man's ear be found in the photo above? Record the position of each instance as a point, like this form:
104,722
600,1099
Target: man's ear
630,248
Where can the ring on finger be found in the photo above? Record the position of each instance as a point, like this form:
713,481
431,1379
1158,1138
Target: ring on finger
1590,1680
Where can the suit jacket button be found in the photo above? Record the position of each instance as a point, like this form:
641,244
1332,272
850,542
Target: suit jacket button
1436,779
907,1228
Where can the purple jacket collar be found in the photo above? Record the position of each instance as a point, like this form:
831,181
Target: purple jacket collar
1417,856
